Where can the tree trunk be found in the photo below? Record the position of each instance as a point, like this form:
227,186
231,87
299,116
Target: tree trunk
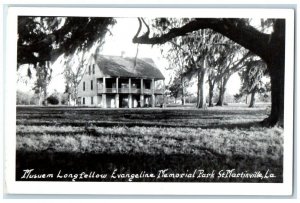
222,89
252,101
210,95
40,96
221,96
276,65
200,90
182,101
76,95
182,91
45,67
69,99
277,93
45,96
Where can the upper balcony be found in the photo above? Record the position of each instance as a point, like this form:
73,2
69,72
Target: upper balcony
127,91
135,90
128,86
119,90
110,90
124,90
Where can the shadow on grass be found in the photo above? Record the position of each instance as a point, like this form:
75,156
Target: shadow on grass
70,164
213,125
242,125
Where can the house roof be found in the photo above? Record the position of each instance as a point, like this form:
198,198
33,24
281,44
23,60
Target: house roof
124,67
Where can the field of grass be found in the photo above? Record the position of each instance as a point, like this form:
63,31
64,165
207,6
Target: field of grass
73,140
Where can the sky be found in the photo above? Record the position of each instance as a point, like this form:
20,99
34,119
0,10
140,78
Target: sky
121,41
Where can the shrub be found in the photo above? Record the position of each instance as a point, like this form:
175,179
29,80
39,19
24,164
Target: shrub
52,100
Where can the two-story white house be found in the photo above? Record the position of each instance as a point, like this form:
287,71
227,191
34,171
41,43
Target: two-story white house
116,81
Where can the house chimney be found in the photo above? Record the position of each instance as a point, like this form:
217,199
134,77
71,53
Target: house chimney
122,54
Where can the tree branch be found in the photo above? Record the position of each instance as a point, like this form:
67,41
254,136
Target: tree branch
148,28
139,29
245,35
228,71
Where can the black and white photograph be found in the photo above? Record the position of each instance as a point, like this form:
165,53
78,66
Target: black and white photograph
152,99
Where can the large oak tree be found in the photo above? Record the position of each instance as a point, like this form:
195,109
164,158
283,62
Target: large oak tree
251,78
269,47
42,39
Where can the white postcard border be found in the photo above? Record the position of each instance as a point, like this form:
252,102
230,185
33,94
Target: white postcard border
17,187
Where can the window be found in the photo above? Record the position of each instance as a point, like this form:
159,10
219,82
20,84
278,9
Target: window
91,84
93,68
83,100
89,70
83,86
92,100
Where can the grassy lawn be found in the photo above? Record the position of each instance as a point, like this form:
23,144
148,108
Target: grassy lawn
134,140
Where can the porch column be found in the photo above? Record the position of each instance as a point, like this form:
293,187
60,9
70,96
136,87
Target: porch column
142,100
103,100
129,95
142,94
130,100
153,86
142,86
153,91
117,85
129,85
153,100
117,100
104,85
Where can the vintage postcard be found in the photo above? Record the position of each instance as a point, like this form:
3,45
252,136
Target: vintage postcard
149,101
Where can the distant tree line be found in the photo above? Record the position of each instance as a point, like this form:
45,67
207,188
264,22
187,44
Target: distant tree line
26,98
